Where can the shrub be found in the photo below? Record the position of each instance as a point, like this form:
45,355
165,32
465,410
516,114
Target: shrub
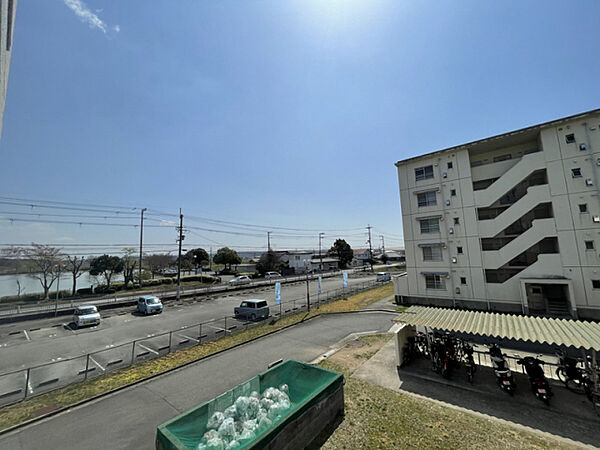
84,291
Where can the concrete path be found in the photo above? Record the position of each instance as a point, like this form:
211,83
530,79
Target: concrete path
570,418
128,419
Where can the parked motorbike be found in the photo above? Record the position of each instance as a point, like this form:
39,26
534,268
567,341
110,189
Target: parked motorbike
575,378
504,377
468,361
539,384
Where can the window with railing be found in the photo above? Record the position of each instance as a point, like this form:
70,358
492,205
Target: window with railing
430,225
433,281
423,173
426,199
432,253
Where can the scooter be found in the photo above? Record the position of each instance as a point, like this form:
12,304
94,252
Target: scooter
539,384
469,362
504,377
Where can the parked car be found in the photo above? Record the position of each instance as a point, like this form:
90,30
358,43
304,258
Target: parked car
86,315
241,279
252,309
272,275
149,304
383,276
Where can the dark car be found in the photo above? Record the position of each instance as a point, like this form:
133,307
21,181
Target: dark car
252,309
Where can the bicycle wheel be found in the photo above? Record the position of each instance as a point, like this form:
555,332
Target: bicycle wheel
561,373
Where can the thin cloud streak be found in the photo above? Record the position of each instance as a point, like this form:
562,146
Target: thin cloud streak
87,16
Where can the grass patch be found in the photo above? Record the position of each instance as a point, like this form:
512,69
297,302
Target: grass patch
377,417
74,393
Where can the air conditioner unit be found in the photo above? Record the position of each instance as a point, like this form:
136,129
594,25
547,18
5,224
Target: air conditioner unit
451,231
596,219
445,175
582,147
454,259
598,161
447,202
457,290
589,182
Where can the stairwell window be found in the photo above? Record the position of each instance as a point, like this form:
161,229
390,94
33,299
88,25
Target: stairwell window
434,282
583,208
423,173
459,250
589,245
463,280
502,157
432,253
456,221
596,284
450,165
570,138
430,225
576,173
453,192
426,199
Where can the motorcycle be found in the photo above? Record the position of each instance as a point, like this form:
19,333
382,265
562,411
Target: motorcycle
469,362
504,377
574,378
539,384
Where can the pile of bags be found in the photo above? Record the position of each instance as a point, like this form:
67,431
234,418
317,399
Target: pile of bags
247,417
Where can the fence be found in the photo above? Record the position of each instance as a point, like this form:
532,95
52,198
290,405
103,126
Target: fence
167,292
18,385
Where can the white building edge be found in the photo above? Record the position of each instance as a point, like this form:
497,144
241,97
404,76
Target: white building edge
506,223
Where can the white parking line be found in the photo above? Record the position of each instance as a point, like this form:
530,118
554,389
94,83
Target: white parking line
97,363
29,388
149,349
217,328
190,338
26,335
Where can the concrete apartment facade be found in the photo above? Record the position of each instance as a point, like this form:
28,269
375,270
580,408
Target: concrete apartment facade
8,10
508,223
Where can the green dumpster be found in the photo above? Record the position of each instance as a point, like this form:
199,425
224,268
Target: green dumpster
317,403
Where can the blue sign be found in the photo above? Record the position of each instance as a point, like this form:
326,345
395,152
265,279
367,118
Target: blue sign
278,292
345,274
320,284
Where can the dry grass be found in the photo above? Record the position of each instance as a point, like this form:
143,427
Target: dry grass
69,395
377,417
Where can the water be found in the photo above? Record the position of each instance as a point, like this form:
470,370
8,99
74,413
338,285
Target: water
29,285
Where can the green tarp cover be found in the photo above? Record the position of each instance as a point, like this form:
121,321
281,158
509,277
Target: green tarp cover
308,385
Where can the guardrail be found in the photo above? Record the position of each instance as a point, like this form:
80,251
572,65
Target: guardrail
19,311
16,386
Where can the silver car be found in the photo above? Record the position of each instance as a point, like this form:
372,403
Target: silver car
241,279
252,309
272,275
86,315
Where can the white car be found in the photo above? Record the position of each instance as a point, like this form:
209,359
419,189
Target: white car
86,315
241,279
272,275
383,276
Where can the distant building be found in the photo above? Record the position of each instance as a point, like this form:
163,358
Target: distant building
328,263
394,255
507,223
298,261
8,10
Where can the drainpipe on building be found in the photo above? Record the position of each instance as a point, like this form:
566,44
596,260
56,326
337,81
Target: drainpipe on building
450,275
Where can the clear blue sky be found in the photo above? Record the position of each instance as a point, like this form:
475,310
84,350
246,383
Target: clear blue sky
282,113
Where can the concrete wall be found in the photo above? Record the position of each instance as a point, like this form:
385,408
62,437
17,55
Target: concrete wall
7,25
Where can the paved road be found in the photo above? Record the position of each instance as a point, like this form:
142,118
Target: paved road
128,419
53,341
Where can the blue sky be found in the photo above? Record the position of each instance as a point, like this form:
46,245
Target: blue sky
279,113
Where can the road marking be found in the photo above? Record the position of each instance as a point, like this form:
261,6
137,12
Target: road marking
149,349
109,345
29,387
217,328
97,363
150,335
188,337
26,335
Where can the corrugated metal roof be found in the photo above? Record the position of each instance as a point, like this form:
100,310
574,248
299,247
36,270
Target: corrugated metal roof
571,333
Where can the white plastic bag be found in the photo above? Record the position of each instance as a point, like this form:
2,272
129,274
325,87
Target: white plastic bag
227,429
215,444
215,420
253,407
230,412
264,424
210,434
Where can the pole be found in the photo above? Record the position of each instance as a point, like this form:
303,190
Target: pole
179,259
141,242
307,295
320,255
57,291
210,258
382,244
268,240
87,366
370,247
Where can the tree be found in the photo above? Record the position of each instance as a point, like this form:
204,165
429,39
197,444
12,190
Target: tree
158,262
227,257
342,250
106,266
43,263
129,263
74,265
384,258
269,261
194,258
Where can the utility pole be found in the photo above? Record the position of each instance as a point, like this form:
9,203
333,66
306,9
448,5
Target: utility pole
181,237
268,240
320,255
210,258
307,294
370,247
382,244
141,241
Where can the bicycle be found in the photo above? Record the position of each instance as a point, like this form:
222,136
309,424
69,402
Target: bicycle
575,378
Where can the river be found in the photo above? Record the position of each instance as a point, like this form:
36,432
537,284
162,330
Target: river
29,285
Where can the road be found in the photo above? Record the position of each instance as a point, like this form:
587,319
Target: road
128,419
33,343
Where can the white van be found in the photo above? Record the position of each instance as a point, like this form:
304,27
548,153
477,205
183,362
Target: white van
383,276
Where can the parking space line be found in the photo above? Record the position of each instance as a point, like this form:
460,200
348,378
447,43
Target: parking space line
188,337
149,349
29,388
26,335
97,363
217,328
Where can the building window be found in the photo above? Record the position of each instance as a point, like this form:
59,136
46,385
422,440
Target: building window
432,253
450,165
453,192
456,221
463,280
596,284
434,282
589,245
424,173
570,138
426,199
576,173
459,250
583,208
502,157
430,225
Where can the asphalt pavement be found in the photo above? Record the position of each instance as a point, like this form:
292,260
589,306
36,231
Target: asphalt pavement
128,419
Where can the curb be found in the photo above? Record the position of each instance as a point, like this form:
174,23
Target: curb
40,418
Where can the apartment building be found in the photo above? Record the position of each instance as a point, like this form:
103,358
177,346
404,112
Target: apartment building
7,19
507,223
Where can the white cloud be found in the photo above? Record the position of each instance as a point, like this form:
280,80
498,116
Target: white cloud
87,16
117,28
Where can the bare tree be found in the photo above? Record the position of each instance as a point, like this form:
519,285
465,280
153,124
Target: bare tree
74,265
19,288
159,261
129,263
